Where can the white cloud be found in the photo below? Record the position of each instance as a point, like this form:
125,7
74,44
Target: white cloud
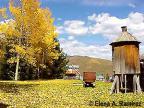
92,17
74,47
70,37
132,5
141,47
109,26
59,29
104,24
73,27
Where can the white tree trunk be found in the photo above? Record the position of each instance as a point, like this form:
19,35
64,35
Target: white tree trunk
17,67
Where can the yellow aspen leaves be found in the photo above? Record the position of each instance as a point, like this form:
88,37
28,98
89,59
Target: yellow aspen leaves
31,33
1,54
20,50
3,12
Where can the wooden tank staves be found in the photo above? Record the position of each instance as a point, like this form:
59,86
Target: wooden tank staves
126,63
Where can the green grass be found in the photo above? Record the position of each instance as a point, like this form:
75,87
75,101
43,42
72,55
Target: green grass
59,94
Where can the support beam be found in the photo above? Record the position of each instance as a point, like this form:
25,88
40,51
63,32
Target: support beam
117,85
121,81
138,84
114,84
125,83
134,83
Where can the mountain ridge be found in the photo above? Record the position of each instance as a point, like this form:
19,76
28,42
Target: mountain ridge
91,64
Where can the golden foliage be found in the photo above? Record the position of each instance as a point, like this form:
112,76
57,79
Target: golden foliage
1,54
3,12
62,94
32,32
12,60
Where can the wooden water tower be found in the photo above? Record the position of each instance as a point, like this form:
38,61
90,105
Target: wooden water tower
126,63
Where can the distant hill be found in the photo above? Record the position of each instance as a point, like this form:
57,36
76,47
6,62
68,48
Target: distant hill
91,64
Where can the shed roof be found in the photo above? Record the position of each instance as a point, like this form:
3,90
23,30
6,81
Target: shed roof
72,71
125,36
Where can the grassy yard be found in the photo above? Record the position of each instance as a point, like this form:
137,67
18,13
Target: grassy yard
61,94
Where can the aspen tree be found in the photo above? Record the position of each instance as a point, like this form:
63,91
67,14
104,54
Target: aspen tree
32,34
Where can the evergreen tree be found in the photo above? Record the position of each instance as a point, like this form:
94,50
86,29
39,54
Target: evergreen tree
59,65
107,77
27,71
7,69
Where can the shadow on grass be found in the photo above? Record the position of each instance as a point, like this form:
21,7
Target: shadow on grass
3,105
8,87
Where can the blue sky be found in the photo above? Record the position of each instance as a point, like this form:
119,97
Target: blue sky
86,27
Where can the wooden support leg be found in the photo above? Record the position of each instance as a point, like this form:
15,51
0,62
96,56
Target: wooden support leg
125,84
113,85
134,83
138,85
121,81
117,84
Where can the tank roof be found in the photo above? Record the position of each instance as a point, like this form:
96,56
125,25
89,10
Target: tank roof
125,36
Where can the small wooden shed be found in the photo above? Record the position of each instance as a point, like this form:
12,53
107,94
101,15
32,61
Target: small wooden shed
126,63
72,72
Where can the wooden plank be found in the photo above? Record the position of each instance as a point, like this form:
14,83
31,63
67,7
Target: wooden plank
126,50
117,60
122,63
